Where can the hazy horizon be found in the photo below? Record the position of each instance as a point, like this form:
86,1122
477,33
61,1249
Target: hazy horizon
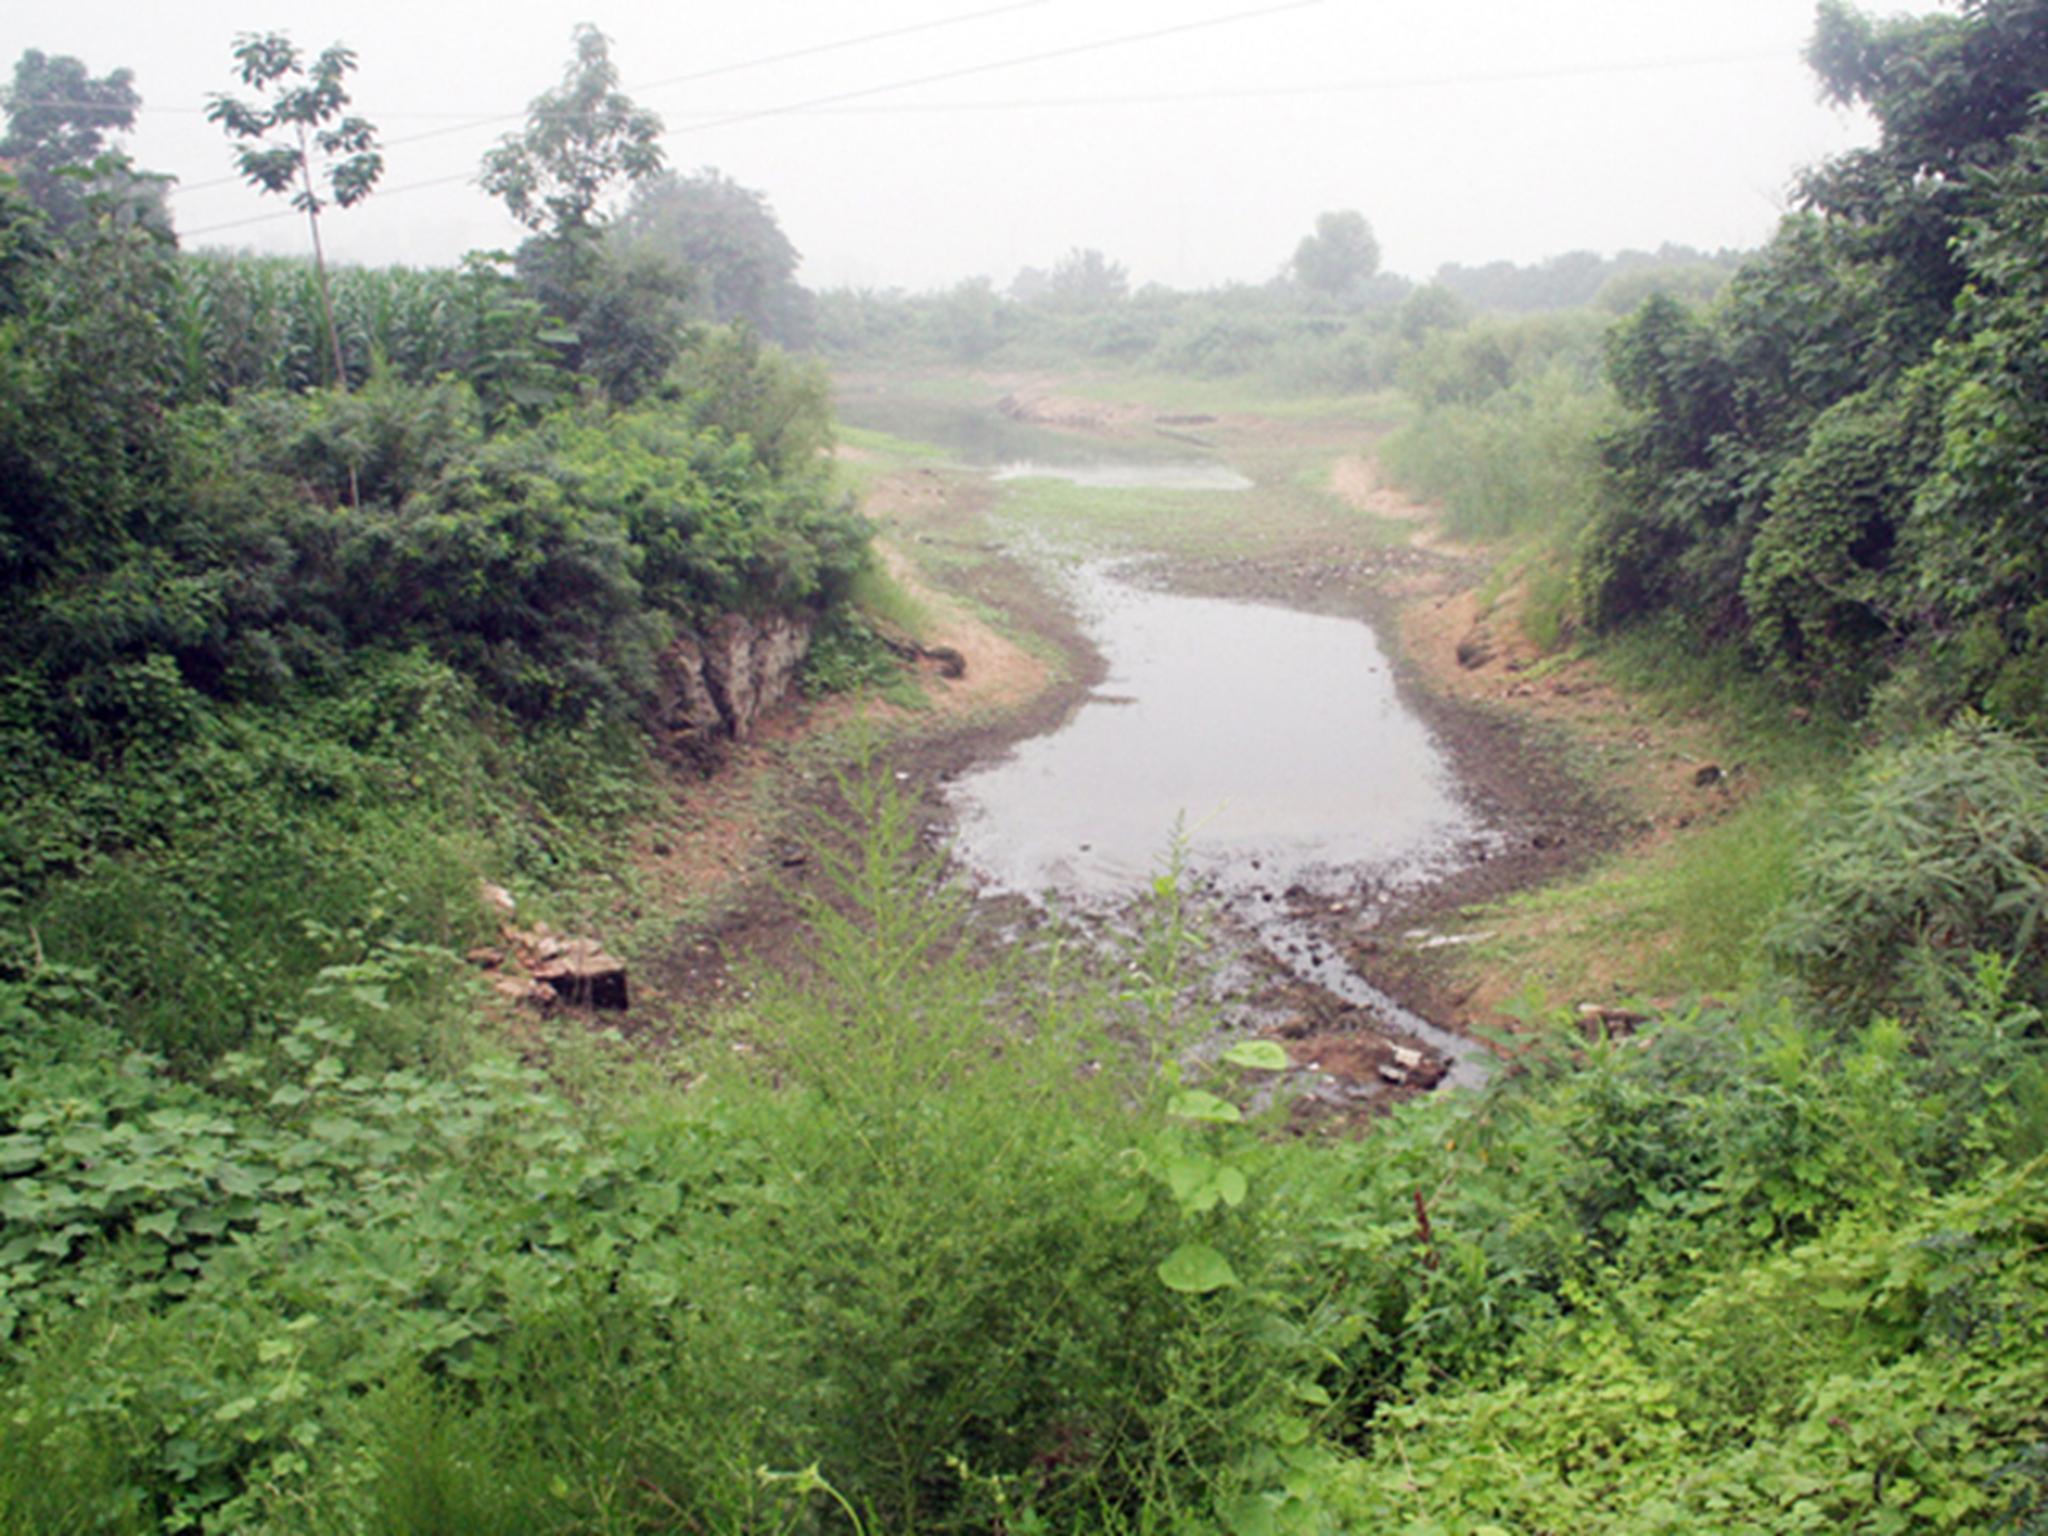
1472,132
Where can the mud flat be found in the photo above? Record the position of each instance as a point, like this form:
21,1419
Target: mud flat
1273,746
1225,668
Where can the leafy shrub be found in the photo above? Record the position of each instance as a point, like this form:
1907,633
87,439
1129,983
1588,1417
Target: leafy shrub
1522,460
1937,851
1816,580
916,1245
1886,1376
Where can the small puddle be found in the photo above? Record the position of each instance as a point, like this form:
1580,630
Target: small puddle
1171,475
981,437
1273,741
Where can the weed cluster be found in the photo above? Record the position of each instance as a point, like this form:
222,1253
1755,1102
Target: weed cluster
952,1244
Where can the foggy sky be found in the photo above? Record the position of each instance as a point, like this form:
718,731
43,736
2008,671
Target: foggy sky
1465,130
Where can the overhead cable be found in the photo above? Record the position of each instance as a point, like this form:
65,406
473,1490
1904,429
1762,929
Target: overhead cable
837,97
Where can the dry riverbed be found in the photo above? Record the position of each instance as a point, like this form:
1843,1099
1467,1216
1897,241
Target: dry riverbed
1561,767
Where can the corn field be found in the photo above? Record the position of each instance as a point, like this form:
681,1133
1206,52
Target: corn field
255,322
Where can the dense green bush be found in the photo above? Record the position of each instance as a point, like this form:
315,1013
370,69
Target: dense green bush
913,1244
1507,415
1937,850
1838,465
241,549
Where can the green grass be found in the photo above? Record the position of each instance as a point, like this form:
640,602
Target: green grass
1120,521
881,596
1685,915
886,445
1668,666
1682,919
1289,506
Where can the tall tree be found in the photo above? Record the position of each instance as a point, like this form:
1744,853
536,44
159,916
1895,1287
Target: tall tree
741,263
59,118
1340,258
1086,279
622,304
1839,466
579,139
306,108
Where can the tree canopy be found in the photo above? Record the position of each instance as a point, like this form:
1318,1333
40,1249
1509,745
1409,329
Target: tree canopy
742,266
1844,466
1340,258
579,139
1084,279
59,120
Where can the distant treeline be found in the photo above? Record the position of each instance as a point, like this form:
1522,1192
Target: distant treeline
1330,320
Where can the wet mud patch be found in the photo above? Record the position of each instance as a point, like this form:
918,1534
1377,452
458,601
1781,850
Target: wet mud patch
1515,770
1329,955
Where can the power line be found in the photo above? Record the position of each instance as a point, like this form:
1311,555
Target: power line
823,106
837,97
1332,88
470,122
1166,98
650,85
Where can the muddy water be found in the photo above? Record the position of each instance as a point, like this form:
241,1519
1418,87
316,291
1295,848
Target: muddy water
1276,737
1273,741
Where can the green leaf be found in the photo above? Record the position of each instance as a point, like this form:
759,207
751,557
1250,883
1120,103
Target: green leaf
1258,1055
1249,1514
1188,1174
1194,1104
1199,1181
1230,1184
1195,1269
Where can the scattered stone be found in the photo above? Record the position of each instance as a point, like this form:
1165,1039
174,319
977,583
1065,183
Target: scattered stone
951,663
794,857
1474,651
497,896
580,972
661,850
1393,1075
523,989
1601,1022
1708,776
1407,1060
489,959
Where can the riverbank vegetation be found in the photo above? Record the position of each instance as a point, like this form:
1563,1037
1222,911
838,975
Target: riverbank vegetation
922,1232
